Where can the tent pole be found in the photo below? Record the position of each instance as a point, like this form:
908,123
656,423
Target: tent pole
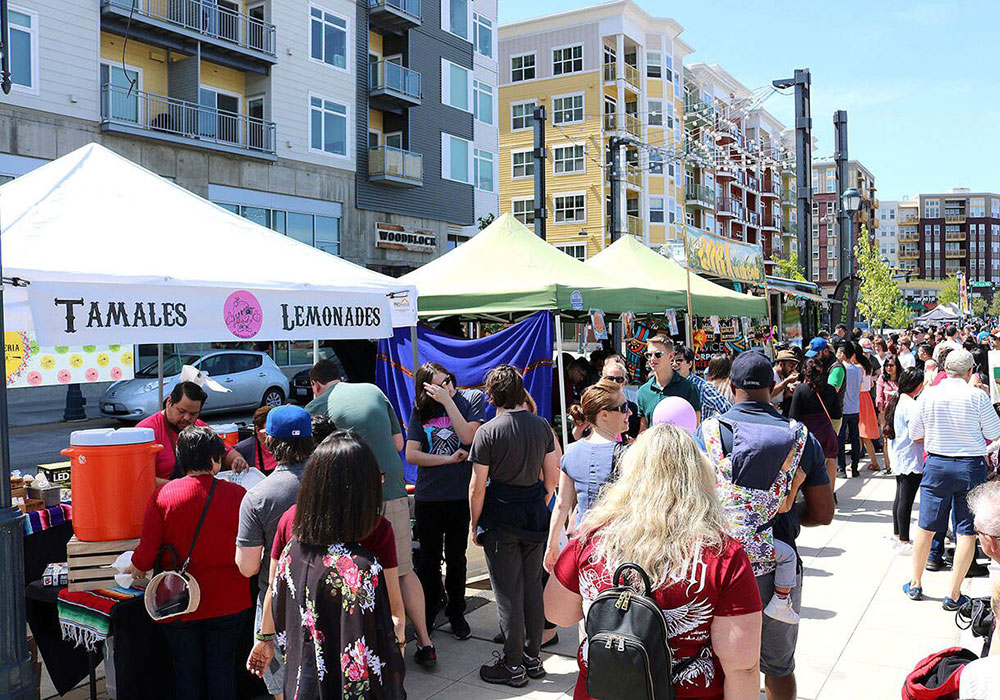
689,326
416,354
562,384
770,323
315,351
159,373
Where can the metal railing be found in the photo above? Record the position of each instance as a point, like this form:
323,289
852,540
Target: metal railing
700,193
629,123
909,237
954,218
169,115
386,75
633,175
909,218
954,236
753,218
954,253
395,162
632,75
208,18
633,224
408,7
697,107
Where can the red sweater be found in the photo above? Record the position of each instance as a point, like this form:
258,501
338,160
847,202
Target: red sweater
171,518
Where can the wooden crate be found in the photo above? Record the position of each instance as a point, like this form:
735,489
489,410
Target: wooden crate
90,562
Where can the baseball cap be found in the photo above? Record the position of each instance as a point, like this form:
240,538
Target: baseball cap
816,346
752,370
288,422
786,356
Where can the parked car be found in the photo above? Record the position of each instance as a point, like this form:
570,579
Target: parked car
252,378
301,390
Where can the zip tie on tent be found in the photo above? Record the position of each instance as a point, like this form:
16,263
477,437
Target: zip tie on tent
14,281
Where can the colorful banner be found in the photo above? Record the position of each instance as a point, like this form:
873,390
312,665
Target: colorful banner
724,257
964,307
29,364
635,348
526,345
627,319
672,322
598,325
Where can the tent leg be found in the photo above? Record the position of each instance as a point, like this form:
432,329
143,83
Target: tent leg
562,384
416,353
159,373
315,351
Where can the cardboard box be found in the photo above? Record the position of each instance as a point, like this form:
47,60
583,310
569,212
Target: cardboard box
50,495
58,473
20,492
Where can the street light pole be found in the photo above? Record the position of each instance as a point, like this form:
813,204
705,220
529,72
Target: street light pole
850,203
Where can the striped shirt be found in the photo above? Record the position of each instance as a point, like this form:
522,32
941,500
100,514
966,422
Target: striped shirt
713,403
954,420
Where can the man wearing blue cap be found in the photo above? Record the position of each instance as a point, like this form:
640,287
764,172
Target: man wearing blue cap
289,439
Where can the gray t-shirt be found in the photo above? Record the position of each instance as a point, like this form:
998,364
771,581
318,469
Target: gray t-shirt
262,508
437,436
513,445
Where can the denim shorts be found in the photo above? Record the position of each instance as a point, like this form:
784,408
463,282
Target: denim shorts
944,486
274,675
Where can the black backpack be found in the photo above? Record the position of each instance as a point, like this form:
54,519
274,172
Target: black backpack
629,655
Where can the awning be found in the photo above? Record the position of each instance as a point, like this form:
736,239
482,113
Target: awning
797,288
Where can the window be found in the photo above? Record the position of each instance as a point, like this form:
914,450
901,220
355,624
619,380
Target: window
120,101
571,209
654,64
522,67
327,126
568,59
456,159
524,210
656,210
568,159
521,115
977,208
574,250
670,115
668,73
522,164
23,49
483,96
655,163
456,86
567,109
482,39
455,17
655,112
317,230
484,161
328,38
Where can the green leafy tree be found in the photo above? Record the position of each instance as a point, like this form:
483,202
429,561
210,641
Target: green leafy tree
994,308
485,221
880,301
789,268
949,291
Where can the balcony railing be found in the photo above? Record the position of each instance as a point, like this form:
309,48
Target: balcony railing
207,18
395,166
954,253
633,176
955,235
629,123
397,14
909,254
698,109
909,218
909,237
172,118
753,218
632,75
954,218
633,224
699,195
395,83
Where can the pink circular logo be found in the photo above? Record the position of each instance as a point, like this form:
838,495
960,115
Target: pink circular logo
242,314
91,374
116,373
34,378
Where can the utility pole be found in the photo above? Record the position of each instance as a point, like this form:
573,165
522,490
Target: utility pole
539,154
802,82
845,221
615,146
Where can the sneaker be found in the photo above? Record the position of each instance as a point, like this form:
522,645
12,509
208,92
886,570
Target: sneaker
913,592
533,666
781,610
905,549
936,565
841,473
500,673
460,628
426,656
951,605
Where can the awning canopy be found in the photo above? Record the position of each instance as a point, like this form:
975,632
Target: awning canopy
797,288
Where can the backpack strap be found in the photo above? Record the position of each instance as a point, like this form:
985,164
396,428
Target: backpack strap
713,439
681,665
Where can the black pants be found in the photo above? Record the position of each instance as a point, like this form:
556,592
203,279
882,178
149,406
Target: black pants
442,525
516,574
907,486
849,431
204,654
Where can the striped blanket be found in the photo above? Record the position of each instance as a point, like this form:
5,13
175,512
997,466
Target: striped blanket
85,616
39,520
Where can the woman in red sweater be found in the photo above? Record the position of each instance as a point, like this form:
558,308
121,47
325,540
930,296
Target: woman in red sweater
203,643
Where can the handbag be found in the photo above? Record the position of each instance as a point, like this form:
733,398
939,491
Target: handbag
174,592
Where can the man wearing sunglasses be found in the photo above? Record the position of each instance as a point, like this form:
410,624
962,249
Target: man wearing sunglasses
663,382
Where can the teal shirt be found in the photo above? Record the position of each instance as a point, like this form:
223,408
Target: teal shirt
652,393
366,410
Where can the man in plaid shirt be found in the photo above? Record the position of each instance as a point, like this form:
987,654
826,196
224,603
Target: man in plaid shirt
713,403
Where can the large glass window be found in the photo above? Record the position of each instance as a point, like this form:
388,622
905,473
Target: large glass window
568,159
522,68
327,126
656,112
654,64
323,232
483,35
568,59
328,38
23,48
120,95
456,88
483,96
521,115
656,210
567,109
523,210
457,20
484,170
574,250
522,164
456,163
571,209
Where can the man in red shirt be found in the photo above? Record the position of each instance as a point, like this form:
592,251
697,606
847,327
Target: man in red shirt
181,409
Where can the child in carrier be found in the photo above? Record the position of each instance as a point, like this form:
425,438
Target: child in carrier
786,561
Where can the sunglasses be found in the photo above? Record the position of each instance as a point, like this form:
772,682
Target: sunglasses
445,382
617,380
621,409
656,354
986,534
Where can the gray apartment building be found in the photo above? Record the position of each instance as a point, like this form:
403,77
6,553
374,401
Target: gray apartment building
957,230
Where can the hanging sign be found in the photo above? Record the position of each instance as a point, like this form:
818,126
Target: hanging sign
29,364
964,307
672,322
728,330
75,314
714,321
576,300
723,257
597,323
627,319
745,325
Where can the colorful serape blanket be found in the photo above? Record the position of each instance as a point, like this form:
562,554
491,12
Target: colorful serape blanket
85,616
39,520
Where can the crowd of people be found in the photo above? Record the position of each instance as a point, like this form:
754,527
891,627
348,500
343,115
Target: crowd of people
710,513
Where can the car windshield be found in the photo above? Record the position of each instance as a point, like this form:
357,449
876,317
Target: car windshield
171,365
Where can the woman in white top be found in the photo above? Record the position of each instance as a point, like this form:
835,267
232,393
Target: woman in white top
907,456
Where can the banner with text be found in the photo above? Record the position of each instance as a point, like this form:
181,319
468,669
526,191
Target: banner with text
30,364
79,314
723,257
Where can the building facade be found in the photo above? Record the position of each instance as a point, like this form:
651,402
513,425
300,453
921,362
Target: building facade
827,267
888,232
908,238
600,71
957,230
348,125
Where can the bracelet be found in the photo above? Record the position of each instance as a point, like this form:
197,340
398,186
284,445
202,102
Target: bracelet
261,637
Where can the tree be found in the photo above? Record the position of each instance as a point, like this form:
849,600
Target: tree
485,221
994,309
789,268
880,301
949,291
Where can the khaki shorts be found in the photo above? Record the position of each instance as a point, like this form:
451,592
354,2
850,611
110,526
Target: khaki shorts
397,512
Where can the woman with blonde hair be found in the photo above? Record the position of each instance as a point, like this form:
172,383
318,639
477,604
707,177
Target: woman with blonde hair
663,514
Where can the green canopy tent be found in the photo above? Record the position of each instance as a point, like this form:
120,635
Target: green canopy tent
647,268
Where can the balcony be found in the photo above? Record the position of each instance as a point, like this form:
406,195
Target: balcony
772,223
955,235
394,15
394,166
788,166
727,208
725,132
909,254
753,218
698,112
141,113
699,196
628,122
392,87
633,176
222,35
788,198
633,225
629,72
959,253
954,218
910,218
911,237
772,190
725,173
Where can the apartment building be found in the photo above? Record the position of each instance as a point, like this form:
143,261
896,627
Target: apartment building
364,127
740,173
887,237
908,238
827,266
599,71
957,230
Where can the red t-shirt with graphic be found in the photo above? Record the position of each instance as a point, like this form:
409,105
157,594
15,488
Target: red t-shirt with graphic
721,584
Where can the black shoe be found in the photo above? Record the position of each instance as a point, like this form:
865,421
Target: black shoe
426,656
499,638
854,472
533,666
459,627
936,565
842,473
551,642
976,570
500,673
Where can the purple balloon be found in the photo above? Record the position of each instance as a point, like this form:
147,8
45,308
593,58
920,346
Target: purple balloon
675,411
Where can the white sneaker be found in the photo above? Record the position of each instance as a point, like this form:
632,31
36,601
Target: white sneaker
781,610
904,548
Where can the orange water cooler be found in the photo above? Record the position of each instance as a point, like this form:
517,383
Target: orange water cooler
113,474
229,432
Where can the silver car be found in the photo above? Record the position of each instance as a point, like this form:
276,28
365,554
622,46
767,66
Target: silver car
252,379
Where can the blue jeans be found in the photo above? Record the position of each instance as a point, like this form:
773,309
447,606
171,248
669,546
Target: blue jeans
204,654
937,544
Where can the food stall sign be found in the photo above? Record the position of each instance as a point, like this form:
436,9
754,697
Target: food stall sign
722,257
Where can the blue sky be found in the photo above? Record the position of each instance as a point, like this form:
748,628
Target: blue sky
920,80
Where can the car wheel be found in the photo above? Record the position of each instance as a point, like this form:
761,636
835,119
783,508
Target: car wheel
273,397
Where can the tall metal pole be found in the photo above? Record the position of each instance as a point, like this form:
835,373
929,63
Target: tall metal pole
845,221
803,164
615,145
541,214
